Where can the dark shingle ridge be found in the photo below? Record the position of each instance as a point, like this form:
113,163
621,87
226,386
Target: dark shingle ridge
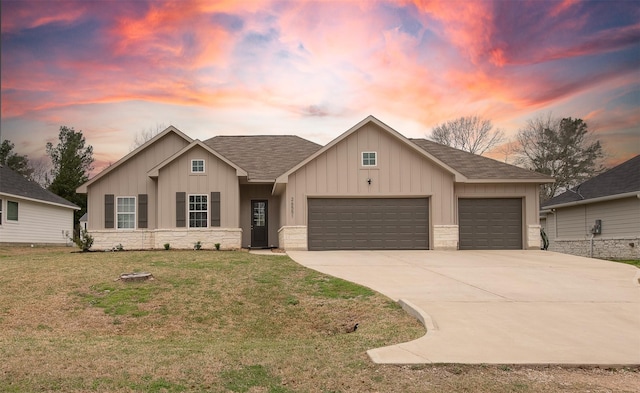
474,166
13,183
621,179
264,157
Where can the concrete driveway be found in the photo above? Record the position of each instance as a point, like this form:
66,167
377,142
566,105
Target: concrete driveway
500,307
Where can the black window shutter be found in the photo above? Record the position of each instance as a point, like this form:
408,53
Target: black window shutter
142,211
181,207
108,210
215,209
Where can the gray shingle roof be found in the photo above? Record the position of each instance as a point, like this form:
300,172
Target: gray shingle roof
474,166
621,179
264,157
14,183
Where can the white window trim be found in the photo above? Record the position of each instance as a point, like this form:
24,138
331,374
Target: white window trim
7,219
135,213
203,165
189,211
362,159
1,210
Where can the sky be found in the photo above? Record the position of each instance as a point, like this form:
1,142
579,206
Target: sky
115,69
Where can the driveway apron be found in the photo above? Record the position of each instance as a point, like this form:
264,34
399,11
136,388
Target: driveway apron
500,307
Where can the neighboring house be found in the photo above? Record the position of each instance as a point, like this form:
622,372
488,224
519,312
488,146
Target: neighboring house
370,188
32,215
600,217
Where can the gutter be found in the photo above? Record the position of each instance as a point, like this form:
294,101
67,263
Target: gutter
593,200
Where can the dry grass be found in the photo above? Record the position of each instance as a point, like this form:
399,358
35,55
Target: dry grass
221,322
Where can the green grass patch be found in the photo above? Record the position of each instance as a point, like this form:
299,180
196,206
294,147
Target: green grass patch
120,299
634,262
335,288
248,377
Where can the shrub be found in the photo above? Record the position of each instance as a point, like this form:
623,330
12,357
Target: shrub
197,245
167,246
217,246
84,241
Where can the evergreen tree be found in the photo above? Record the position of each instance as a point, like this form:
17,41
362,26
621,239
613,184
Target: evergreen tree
17,162
72,162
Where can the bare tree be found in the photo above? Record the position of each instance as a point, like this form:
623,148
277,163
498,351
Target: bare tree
469,133
145,135
509,149
564,149
41,170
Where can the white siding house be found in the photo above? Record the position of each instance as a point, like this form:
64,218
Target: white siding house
30,214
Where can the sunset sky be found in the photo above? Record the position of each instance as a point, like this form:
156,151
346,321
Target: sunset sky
115,68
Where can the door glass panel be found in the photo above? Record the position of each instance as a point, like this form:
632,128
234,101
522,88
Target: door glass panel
259,214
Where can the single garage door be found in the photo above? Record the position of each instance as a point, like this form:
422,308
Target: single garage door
368,224
490,224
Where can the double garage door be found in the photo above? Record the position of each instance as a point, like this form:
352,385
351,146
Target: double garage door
403,224
490,224
368,224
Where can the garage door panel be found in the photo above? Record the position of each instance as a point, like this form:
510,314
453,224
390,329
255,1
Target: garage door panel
490,223
373,223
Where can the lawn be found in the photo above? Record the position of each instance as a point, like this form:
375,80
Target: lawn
225,321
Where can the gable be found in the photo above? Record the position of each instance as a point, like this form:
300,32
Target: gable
399,168
383,127
134,166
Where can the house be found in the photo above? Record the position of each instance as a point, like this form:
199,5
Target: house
369,188
30,214
600,217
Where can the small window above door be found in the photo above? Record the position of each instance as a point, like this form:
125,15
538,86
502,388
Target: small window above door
369,158
197,166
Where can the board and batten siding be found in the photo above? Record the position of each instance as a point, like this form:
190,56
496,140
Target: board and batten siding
251,192
218,177
131,178
528,192
38,223
338,172
620,219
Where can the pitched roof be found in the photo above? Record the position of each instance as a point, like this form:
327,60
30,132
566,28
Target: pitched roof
264,157
13,183
369,119
622,179
171,129
476,167
154,172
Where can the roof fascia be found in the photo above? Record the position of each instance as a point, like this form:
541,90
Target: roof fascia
74,207
155,171
594,200
370,119
534,181
83,188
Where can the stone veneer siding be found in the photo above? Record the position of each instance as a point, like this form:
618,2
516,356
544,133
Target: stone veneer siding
293,238
602,248
534,241
229,238
445,237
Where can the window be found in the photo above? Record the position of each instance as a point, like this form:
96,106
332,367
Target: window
12,211
369,158
0,211
126,212
197,166
197,211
